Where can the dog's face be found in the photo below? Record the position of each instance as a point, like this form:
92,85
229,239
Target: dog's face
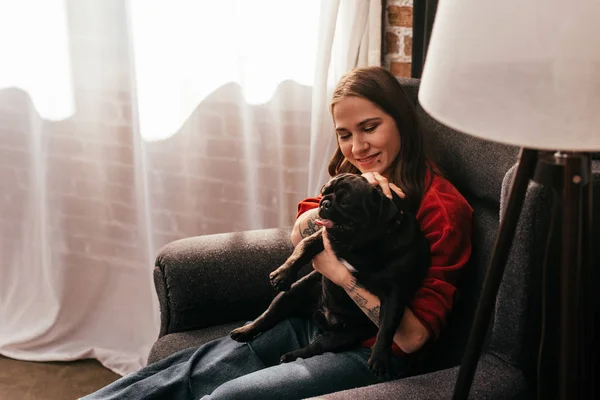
350,204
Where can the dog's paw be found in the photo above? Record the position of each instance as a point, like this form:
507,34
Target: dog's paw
380,365
281,279
243,333
288,357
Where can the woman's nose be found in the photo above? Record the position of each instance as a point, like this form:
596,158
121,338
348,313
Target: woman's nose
359,145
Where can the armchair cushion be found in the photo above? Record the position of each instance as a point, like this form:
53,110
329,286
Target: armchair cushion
216,279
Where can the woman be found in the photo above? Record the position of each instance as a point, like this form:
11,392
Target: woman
378,137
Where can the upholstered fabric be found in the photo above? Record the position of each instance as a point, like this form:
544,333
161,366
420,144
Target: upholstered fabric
215,279
206,285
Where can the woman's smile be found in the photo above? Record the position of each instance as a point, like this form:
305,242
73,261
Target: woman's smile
366,161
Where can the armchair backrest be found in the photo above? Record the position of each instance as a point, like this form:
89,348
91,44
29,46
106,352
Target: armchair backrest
483,172
477,168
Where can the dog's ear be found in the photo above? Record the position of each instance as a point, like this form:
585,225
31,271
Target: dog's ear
388,209
322,188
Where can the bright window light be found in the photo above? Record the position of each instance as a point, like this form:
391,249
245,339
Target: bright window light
185,49
34,48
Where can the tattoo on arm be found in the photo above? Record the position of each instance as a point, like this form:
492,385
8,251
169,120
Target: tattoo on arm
373,312
310,226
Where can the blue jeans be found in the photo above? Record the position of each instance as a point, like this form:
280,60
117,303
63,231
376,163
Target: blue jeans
226,369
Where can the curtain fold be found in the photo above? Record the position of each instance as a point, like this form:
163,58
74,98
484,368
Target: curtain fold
125,125
350,36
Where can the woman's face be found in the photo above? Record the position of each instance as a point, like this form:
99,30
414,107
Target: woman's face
367,136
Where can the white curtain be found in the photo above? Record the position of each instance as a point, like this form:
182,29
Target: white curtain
349,36
127,125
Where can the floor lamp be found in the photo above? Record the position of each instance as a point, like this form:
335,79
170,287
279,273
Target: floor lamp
528,74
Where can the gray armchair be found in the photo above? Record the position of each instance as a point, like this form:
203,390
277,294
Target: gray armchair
196,307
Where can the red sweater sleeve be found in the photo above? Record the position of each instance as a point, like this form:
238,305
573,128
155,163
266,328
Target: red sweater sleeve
446,220
308,204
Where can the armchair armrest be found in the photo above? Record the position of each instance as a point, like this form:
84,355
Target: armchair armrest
214,279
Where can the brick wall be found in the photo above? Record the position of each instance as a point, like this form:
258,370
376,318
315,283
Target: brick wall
398,37
94,173
195,182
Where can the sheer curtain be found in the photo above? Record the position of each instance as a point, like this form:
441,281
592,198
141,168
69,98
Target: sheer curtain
126,125
349,36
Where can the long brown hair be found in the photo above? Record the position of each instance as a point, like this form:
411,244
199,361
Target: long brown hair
413,164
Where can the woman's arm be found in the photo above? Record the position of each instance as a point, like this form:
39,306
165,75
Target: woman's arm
410,336
305,226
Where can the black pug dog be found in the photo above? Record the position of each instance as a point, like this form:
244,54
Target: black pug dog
381,239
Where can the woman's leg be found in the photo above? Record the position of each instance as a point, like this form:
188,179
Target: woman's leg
195,372
318,375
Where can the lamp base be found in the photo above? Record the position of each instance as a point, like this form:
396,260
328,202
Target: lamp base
572,377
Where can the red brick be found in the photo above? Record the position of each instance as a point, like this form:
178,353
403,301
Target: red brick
295,179
161,239
270,219
120,174
227,170
168,162
207,125
15,139
296,156
297,118
77,169
123,214
80,260
15,158
229,212
234,127
189,225
268,198
268,176
297,135
213,227
267,133
225,148
126,113
109,152
64,145
103,191
117,134
97,110
173,183
71,205
408,45
391,43
119,232
400,16
163,221
76,225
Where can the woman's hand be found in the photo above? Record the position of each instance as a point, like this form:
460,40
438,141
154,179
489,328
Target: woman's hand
376,179
328,265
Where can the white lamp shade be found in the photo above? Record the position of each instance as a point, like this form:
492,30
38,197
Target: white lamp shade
525,73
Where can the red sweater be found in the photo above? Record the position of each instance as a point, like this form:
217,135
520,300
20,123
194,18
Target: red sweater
446,219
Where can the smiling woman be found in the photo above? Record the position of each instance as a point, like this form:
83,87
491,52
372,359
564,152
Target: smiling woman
368,137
